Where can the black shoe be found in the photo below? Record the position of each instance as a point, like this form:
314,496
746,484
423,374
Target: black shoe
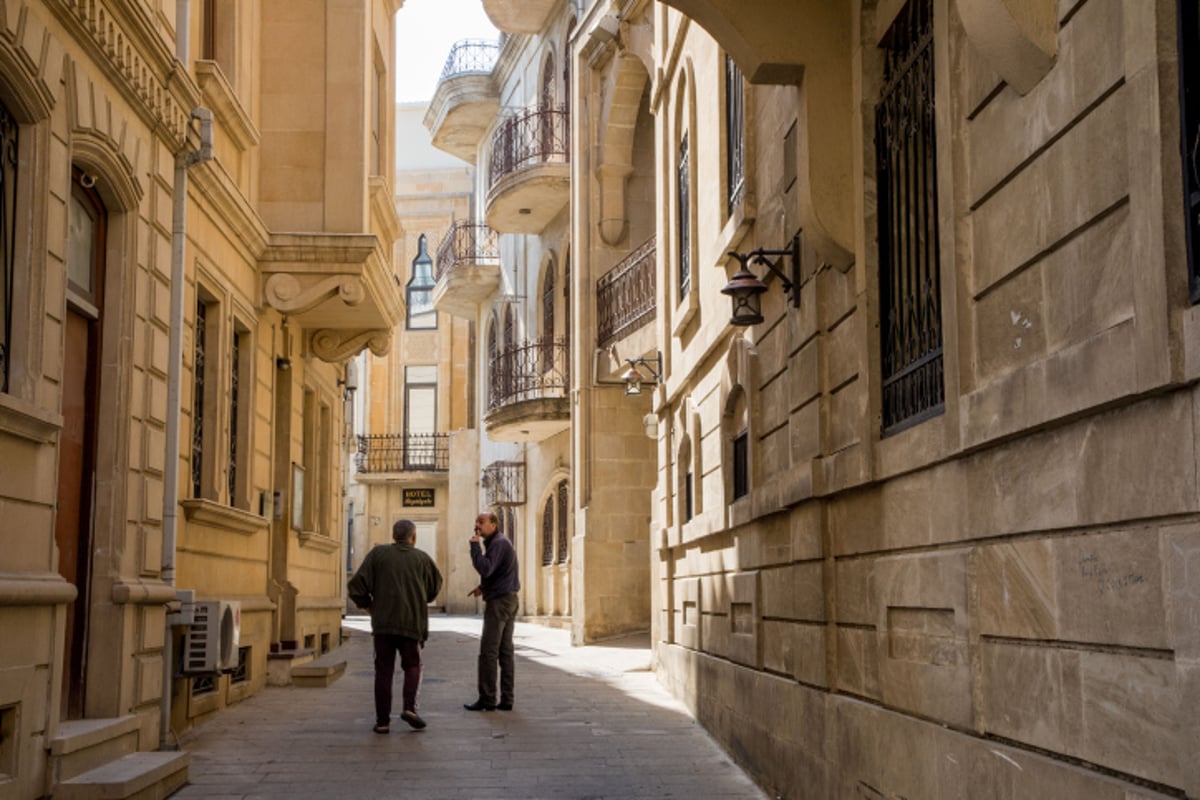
504,706
479,705
413,720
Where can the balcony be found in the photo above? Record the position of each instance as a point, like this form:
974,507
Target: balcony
466,101
504,483
518,16
626,296
528,393
398,452
529,175
467,269
338,286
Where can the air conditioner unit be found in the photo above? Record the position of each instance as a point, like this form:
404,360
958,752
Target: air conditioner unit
211,642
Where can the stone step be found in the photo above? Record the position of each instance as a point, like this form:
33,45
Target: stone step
81,745
137,776
318,673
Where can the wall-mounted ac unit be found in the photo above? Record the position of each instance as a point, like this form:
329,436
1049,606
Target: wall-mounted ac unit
211,641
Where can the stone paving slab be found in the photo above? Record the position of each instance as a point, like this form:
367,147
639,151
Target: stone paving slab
589,723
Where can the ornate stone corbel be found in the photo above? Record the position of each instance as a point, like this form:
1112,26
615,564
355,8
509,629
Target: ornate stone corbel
286,294
613,223
335,346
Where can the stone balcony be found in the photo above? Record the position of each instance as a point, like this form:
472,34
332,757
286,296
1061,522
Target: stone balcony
529,173
466,100
528,388
467,269
338,287
518,16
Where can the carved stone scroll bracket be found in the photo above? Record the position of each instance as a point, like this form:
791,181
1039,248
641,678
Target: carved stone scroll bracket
1019,38
335,346
613,222
287,294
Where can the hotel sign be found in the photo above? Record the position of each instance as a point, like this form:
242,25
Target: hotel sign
417,497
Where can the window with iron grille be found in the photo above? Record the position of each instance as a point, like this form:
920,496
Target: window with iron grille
741,465
8,236
909,273
421,314
235,363
199,372
684,223
548,319
241,672
562,519
735,139
1189,90
548,533
203,684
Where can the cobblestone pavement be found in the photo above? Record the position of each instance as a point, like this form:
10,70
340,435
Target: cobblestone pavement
589,722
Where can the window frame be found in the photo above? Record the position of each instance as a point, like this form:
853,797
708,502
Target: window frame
1188,21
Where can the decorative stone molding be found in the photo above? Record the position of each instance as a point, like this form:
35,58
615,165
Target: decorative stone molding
288,294
335,345
142,591
122,41
1019,38
31,60
27,421
35,589
208,512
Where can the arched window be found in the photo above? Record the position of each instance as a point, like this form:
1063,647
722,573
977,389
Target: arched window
683,222
548,533
564,538
510,336
738,431
421,314
492,365
548,88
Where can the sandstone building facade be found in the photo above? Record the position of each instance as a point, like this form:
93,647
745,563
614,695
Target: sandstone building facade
197,235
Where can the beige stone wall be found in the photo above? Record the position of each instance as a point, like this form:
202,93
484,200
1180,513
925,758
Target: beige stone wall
989,603
119,114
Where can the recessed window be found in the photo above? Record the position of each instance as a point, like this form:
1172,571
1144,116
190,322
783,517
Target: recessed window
564,536
1189,78
741,465
689,497
241,673
735,140
683,223
8,234
203,684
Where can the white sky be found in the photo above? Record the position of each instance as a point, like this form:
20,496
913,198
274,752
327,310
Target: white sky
425,32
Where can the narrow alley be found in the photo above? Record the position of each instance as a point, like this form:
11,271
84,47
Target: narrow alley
589,722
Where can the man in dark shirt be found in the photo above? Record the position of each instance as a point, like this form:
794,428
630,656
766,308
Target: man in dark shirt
396,583
497,568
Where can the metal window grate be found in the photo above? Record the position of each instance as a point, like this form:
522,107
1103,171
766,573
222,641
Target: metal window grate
626,295
241,673
529,372
528,139
564,540
397,452
1189,91
198,370
909,277
548,318
735,140
467,244
470,56
235,366
684,223
548,533
8,235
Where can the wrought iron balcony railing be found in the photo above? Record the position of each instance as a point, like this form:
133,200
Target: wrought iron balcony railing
467,244
469,56
626,295
529,372
400,452
530,138
504,483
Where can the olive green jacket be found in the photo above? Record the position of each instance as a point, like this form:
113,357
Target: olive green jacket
396,583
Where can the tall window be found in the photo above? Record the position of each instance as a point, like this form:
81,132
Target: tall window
208,30
548,533
909,276
735,140
739,452
1189,80
235,365
202,390
421,314
8,236
510,520
493,352
241,409
378,103
548,319
684,222
564,538
420,417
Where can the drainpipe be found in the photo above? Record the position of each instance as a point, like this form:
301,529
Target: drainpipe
183,161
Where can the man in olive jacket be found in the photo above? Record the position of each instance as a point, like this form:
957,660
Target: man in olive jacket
396,583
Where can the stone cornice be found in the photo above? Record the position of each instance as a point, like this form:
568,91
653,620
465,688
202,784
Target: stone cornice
224,102
318,541
19,418
216,186
35,589
123,43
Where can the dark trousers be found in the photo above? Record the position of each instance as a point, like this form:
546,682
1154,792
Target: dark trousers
496,647
386,647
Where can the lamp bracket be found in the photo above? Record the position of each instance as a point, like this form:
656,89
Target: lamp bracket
763,256
653,365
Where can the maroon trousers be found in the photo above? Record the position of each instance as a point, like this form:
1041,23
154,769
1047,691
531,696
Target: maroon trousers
386,647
